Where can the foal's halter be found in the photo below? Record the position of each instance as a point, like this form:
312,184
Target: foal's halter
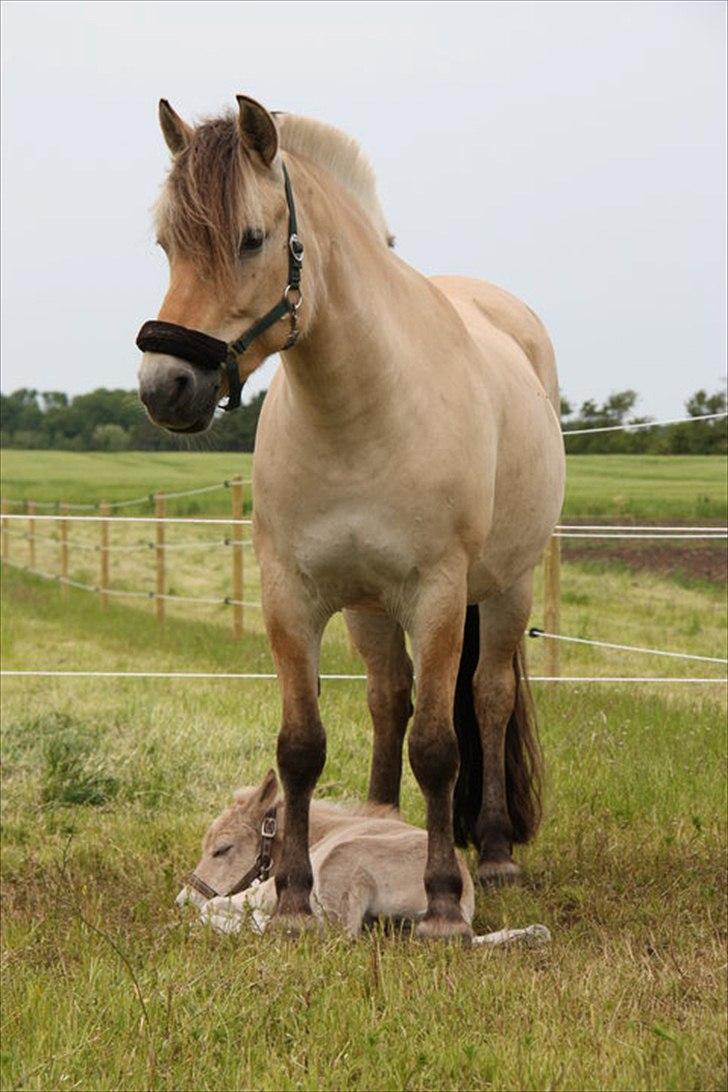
211,353
260,870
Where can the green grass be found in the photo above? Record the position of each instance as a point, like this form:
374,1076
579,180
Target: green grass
659,487
109,786
663,487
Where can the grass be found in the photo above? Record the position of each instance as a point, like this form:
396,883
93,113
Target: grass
685,487
108,786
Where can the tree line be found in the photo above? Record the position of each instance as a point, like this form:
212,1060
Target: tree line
114,420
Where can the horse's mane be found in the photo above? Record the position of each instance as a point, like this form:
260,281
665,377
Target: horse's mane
339,154
200,207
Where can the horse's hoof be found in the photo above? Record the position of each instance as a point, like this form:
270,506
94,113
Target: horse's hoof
444,928
498,873
293,925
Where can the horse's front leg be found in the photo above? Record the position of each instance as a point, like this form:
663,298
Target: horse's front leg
379,640
295,628
433,750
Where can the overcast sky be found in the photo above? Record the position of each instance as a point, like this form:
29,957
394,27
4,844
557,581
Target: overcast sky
572,152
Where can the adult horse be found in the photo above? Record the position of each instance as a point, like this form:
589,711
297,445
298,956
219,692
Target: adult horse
409,470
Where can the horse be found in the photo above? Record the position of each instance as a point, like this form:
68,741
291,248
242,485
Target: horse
408,471
367,865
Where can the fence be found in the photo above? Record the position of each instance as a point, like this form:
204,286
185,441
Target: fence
106,518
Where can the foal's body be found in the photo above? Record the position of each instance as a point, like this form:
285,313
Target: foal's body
408,463
367,863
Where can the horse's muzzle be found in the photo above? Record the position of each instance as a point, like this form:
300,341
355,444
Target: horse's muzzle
177,395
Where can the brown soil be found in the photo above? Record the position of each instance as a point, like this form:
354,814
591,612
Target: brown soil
699,560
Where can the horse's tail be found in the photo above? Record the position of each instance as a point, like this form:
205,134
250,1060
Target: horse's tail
523,751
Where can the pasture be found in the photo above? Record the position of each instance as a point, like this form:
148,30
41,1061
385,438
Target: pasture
109,784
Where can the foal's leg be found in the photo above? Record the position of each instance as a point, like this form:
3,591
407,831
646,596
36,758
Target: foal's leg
380,642
433,752
505,813
295,630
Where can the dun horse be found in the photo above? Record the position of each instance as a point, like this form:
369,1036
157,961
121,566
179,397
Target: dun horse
409,470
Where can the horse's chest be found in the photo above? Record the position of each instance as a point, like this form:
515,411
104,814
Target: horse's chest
355,559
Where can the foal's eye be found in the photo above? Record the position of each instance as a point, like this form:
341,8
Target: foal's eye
221,851
252,240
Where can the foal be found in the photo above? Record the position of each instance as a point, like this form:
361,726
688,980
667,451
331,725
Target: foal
367,863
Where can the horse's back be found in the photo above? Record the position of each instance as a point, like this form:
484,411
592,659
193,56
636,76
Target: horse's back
485,307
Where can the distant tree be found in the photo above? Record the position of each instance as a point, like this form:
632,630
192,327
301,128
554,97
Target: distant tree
701,403
109,438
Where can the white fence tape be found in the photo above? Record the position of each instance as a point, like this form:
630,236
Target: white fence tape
255,676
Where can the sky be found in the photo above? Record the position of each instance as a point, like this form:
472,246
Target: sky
573,153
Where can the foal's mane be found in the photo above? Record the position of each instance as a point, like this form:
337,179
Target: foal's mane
207,193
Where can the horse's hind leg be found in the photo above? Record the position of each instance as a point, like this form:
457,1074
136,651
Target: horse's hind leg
380,643
510,806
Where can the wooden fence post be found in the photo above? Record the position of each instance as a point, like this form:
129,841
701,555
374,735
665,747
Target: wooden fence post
104,510
552,603
63,509
236,489
159,510
31,535
5,535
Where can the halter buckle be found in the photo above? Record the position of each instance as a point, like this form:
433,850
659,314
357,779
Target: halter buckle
295,245
269,827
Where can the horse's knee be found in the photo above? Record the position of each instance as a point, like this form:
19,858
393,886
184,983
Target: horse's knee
390,701
433,753
301,753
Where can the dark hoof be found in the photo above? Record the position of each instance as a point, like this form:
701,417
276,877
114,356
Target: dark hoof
498,873
435,927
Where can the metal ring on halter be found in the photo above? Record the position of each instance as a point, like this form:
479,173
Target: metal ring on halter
287,297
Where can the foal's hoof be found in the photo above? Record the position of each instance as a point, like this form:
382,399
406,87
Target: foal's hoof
293,925
436,927
498,873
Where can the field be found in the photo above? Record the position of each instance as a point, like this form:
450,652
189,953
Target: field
689,487
109,785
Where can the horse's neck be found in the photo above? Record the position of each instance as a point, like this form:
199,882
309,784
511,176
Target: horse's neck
368,304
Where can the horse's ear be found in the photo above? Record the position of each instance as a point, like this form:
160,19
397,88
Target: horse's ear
257,129
177,132
268,789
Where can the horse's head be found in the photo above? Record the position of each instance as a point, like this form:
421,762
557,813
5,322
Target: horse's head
223,219
232,844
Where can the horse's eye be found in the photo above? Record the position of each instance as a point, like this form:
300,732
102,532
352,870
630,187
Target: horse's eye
221,851
252,240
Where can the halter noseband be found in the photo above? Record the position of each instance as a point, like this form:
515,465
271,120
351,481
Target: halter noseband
211,353
260,870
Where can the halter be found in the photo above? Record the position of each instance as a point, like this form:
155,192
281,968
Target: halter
260,870
212,353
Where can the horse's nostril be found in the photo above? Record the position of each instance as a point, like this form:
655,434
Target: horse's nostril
180,386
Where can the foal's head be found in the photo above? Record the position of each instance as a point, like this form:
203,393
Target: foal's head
232,841
222,220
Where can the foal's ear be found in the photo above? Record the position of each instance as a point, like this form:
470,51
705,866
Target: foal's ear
257,129
176,132
268,789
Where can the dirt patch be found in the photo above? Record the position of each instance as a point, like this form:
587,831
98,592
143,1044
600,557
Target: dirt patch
699,560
